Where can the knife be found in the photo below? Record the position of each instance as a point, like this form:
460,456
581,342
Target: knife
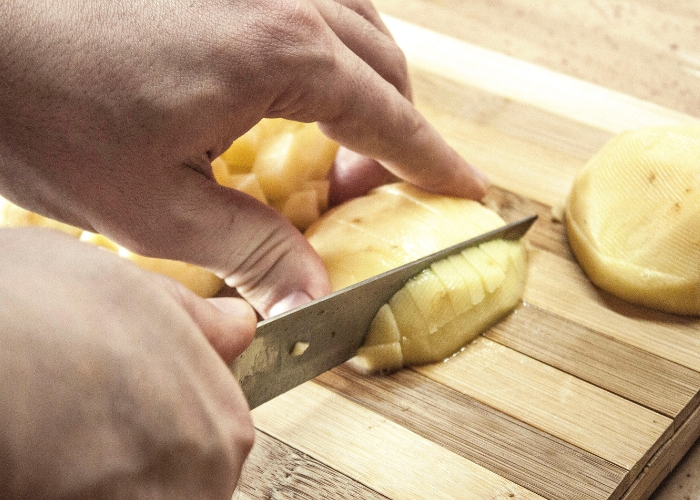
302,343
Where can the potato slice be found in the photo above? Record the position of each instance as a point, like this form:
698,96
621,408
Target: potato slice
490,271
445,306
633,214
455,284
432,299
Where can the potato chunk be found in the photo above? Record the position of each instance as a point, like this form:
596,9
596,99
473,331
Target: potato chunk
282,163
633,218
446,305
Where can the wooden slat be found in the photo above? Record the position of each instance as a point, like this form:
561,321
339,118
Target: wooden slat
632,373
547,233
276,470
579,413
666,459
643,48
560,286
518,452
374,450
515,119
528,169
524,82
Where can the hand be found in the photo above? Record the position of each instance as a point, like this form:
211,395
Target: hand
109,382
111,112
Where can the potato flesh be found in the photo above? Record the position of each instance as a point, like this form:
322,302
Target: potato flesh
281,163
445,306
633,218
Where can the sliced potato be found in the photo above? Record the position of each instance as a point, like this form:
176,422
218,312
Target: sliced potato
390,226
633,218
445,306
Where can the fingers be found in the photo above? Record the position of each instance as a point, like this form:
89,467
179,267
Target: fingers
184,215
358,25
368,115
353,175
358,101
227,323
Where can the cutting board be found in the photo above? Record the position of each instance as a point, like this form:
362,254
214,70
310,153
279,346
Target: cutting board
576,394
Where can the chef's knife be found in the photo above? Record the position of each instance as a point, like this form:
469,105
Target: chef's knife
300,344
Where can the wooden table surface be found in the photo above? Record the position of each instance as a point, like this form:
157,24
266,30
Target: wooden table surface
527,91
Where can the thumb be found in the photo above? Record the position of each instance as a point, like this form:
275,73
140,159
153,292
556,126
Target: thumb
185,215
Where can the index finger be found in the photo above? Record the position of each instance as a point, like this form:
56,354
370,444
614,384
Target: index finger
367,114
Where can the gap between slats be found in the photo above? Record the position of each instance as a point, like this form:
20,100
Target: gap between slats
512,449
375,451
632,373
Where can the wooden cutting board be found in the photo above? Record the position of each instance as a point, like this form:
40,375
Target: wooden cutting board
575,395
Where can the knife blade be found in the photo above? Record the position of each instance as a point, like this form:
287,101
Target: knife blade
302,343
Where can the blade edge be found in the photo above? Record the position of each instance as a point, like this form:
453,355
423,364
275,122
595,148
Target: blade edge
333,326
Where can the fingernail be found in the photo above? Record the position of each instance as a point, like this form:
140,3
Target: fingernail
230,305
481,180
291,301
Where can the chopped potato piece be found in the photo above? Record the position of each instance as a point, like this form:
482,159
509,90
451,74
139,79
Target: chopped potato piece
246,183
633,214
278,166
301,208
446,305
240,156
278,162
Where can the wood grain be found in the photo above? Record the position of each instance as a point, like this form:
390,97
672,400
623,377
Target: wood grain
675,338
665,459
527,83
275,470
377,452
575,395
562,405
634,374
643,48
514,450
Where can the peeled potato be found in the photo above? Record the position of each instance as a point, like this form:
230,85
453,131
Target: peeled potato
445,306
633,218
282,163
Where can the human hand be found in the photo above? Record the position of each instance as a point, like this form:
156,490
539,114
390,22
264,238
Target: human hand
112,112
109,382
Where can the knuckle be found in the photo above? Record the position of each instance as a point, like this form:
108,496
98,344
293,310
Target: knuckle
399,70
